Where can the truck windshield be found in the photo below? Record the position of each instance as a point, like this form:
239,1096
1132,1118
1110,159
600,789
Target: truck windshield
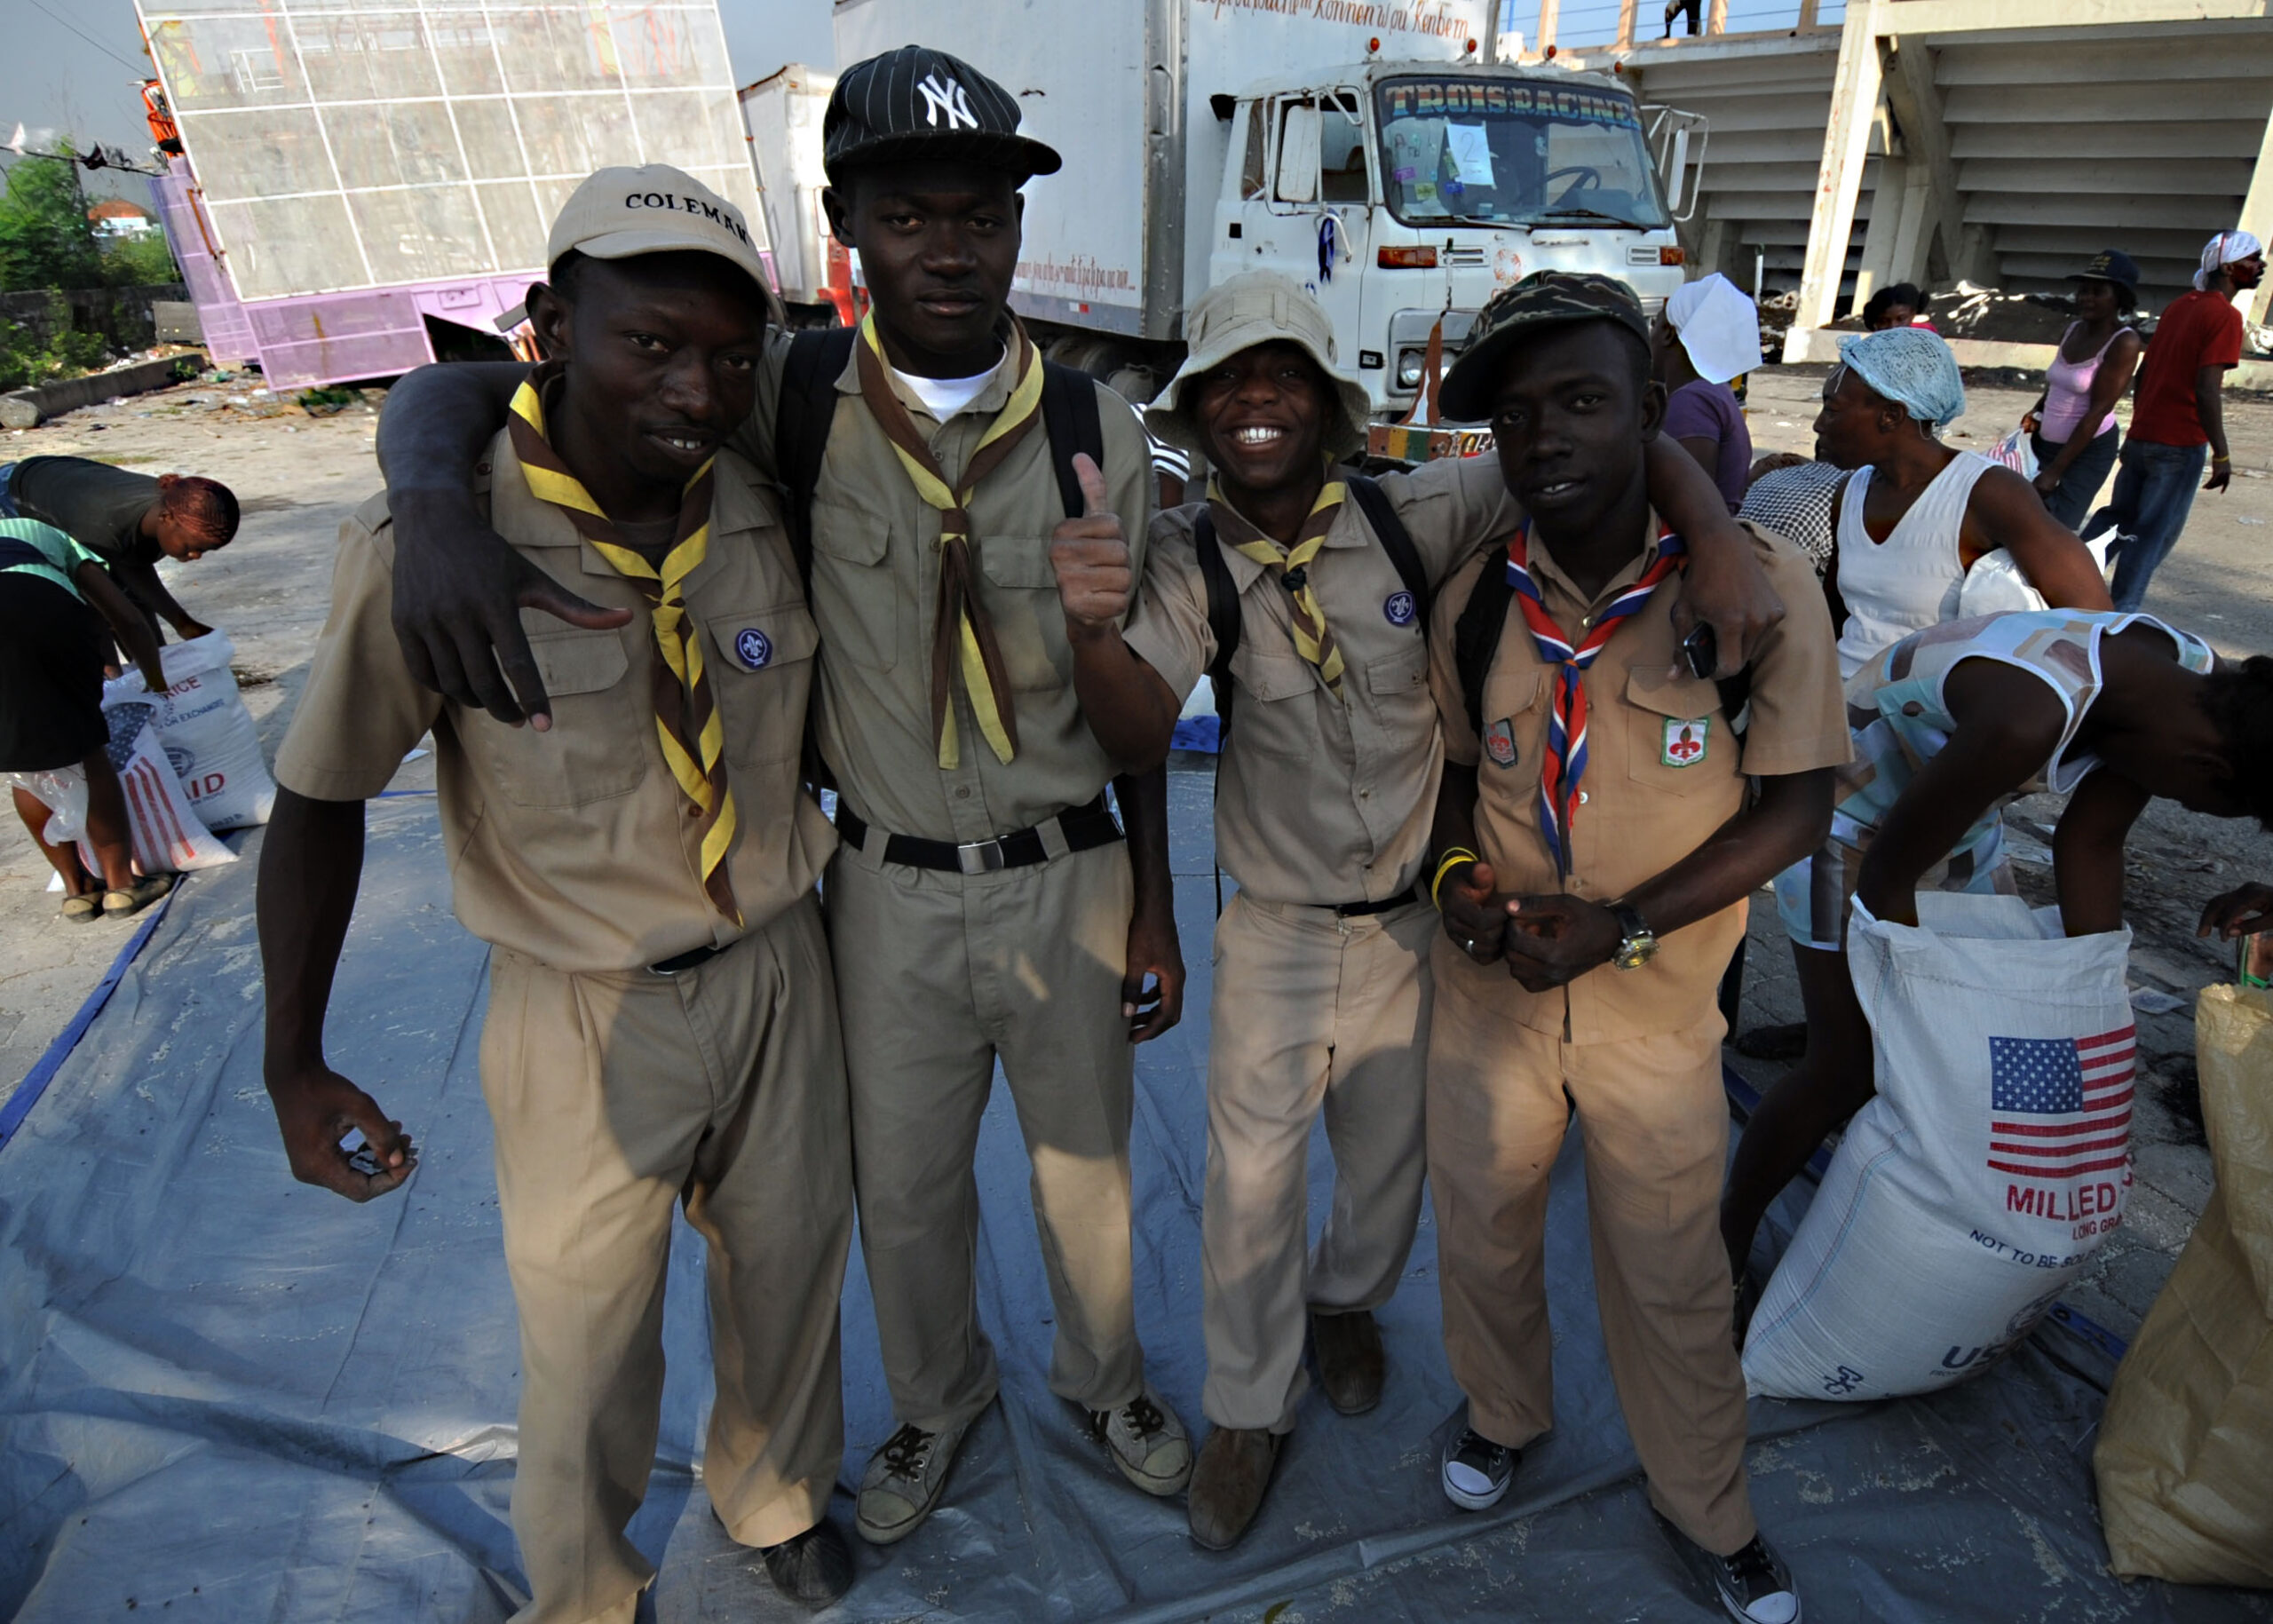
1513,151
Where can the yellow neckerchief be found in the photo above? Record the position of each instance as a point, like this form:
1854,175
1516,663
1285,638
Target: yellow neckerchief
1312,641
687,719
961,634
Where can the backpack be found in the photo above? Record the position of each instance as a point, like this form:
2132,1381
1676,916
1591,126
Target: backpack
1225,620
1476,644
807,410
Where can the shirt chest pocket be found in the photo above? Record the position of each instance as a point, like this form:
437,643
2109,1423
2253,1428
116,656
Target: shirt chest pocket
1679,741
760,665
1399,687
1275,690
852,584
602,717
1515,730
1020,590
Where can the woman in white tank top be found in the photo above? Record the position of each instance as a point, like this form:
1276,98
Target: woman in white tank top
1913,518
1918,514
1910,580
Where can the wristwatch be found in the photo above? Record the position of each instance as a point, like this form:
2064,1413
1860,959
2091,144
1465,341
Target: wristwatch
1638,944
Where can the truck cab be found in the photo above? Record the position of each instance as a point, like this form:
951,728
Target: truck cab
1401,192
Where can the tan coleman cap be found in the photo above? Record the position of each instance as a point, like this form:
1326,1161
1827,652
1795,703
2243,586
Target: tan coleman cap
1253,308
619,213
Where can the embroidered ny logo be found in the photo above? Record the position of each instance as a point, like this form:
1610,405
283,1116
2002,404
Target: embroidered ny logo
948,99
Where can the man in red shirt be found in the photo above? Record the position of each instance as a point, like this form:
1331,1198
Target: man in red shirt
2177,415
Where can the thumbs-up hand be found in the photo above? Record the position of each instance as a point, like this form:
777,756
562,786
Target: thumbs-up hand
1476,916
1090,555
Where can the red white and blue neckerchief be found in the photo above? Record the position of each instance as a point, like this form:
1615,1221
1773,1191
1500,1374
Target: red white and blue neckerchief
1565,761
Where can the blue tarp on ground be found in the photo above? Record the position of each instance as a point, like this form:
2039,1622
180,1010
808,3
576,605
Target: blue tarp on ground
226,1396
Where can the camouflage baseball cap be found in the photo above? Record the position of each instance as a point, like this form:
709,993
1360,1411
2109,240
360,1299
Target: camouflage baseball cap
1543,299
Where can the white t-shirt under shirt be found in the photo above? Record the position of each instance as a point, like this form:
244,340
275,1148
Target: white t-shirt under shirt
943,397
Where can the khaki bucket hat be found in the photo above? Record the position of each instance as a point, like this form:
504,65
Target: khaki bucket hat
1257,307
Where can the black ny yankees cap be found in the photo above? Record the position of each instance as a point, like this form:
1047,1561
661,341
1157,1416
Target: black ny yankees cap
916,102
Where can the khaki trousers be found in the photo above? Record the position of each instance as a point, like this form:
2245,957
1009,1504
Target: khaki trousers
1655,1123
615,1096
943,973
1313,1013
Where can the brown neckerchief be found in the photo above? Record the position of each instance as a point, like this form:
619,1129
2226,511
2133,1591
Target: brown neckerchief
958,604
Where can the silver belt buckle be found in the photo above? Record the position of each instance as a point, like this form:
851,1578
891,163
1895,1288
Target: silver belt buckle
979,857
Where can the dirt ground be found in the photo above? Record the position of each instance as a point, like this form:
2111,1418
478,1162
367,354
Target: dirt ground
298,476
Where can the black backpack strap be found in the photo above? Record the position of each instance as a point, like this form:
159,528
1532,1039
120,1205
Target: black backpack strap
1396,540
802,420
1476,636
1069,415
1224,620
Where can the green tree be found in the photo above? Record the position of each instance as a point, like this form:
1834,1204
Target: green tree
139,262
46,239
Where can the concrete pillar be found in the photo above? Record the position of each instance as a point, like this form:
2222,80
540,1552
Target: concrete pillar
2257,218
1716,17
1549,13
1879,237
1855,90
1625,23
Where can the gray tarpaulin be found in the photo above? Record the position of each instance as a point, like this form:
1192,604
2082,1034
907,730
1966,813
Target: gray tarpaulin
226,1396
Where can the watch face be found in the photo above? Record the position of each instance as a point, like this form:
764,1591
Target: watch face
1634,952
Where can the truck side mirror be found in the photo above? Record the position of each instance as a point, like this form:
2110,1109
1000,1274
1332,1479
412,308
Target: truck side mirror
1299,141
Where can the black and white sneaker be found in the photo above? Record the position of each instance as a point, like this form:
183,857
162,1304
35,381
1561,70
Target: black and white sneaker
1476,1471
1754,1585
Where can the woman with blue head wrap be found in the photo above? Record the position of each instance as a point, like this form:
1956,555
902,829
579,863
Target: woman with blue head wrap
1916,516
1919,514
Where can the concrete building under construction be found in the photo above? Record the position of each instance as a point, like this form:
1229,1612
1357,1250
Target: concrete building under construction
1999,142
365,186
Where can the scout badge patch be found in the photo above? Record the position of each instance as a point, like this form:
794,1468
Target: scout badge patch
1500,742
1684,745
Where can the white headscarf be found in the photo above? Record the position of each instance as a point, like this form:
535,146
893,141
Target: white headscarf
1718,325
2227,247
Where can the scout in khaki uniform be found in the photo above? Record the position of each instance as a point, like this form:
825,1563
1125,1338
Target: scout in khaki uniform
1595,841
1331,762
662,1022
984,905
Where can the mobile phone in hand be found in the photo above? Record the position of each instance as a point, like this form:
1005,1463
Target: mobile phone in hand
1700,651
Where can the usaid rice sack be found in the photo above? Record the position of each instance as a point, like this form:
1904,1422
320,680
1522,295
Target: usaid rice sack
167,836
1995,1158
205,732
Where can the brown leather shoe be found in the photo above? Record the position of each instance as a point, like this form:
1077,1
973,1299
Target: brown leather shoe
1348,1359
1227,1483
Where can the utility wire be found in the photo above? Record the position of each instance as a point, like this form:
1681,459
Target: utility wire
139,67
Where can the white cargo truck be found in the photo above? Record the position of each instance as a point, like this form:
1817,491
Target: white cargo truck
1377,153
781,114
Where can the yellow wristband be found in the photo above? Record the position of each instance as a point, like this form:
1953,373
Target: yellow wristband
1458,854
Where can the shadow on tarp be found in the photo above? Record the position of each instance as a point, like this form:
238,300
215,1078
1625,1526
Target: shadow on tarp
227,1396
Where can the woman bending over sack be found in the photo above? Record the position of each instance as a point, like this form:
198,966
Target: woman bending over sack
1951,723
52,655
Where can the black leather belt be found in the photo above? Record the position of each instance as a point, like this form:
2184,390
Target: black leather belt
684,960
1084,827
1361,910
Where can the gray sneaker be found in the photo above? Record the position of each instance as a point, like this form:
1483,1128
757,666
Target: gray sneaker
1753,1585
1147,1442
903,1481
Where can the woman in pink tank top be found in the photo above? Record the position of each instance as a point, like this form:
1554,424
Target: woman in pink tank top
2072,424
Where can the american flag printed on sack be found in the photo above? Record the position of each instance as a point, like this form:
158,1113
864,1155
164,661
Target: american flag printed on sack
2061,1107
162,843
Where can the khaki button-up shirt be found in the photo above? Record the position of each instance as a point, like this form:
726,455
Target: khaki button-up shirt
875,593
1663,772
577,846
1322,800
